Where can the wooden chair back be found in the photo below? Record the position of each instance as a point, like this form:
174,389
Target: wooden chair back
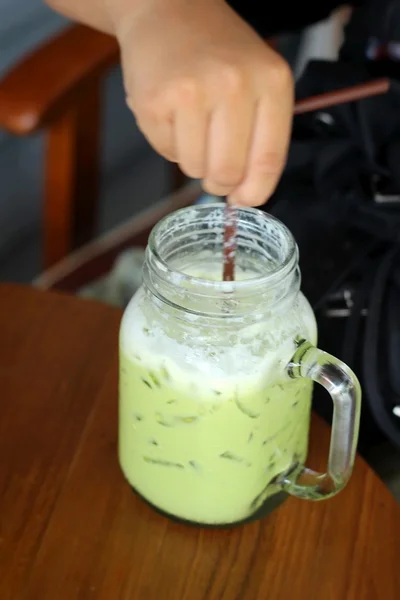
57,89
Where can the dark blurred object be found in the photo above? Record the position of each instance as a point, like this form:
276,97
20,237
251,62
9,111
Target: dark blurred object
57,89
340,196
285,16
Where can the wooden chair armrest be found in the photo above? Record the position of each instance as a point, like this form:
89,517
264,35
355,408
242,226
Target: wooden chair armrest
96,259
359,91
43,84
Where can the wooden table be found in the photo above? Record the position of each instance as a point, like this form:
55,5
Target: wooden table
71,529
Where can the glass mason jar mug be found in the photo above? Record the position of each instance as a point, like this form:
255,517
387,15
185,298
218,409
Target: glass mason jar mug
216,377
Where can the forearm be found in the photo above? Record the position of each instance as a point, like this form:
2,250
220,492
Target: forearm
99,14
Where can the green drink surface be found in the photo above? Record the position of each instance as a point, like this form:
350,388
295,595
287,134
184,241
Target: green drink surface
208,453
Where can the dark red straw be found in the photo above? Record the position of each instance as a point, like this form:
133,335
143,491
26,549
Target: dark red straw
229,248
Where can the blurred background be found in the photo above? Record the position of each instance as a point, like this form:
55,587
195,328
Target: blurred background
132,175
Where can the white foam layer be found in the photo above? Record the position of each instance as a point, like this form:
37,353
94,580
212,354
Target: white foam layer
259,356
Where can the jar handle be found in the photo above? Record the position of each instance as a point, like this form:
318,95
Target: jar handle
343,386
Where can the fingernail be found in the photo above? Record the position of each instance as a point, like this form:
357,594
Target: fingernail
235,200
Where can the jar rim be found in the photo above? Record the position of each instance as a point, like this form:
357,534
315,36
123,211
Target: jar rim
280,270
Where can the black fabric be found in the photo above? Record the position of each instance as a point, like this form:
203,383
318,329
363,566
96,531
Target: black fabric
270,18
374,22
342,161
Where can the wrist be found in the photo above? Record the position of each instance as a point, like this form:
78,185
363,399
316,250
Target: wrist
123,13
